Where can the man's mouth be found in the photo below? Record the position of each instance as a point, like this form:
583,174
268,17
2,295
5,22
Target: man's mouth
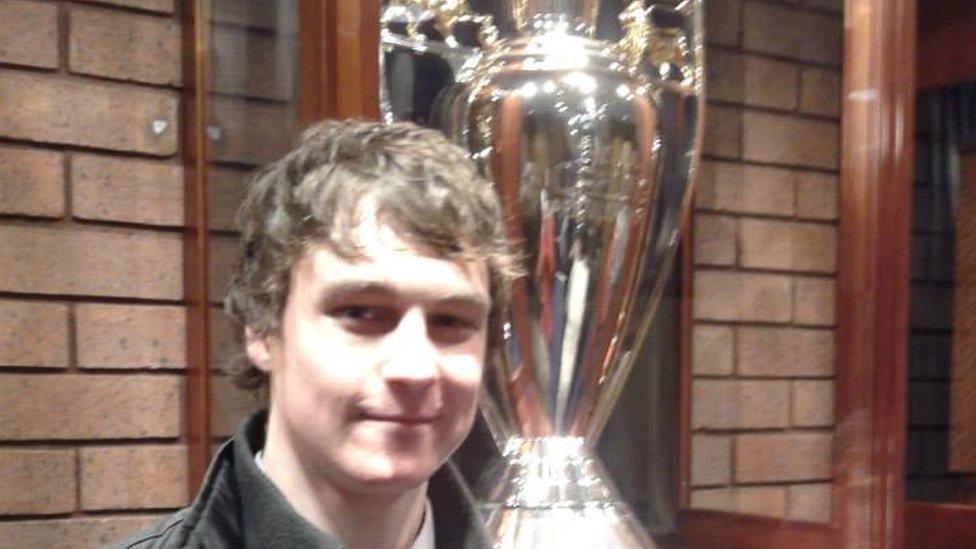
407,419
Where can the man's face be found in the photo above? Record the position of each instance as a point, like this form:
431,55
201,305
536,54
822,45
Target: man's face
375,375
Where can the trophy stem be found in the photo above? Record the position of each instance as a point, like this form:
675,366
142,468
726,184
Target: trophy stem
552,492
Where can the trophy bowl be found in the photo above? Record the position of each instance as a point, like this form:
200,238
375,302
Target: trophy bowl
591,145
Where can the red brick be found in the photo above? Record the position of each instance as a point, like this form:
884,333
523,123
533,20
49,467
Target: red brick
735,404
712,350
53,109
714,499
230,405
226,192
745,189
767,501
224,255
775,457
820,92
133,191
812,403
785,352
33,334
815,301
252,133
133,477
165,6
752,500
224,347
816,196
720,295
809,502
788,245
723,132
766,244
131,336
29,33
714,239
124,46
814,247
711,460
39,407
66,260
31,182
74,533
37,482
783,139
266,71
788,32
752,81
722,22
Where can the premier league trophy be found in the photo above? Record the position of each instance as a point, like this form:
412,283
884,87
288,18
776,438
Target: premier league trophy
591,144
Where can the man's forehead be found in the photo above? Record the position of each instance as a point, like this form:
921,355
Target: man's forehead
387,262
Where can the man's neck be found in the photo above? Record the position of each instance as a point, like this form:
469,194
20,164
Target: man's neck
360,521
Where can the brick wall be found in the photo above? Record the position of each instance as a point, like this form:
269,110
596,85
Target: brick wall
765,247
91,284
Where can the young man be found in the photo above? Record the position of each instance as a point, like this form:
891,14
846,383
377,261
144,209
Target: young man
375,270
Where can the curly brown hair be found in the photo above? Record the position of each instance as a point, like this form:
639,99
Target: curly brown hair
424,187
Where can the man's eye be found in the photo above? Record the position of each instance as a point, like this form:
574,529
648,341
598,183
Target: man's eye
453,321
357,313
364,318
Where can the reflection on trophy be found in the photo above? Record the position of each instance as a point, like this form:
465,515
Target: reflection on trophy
591,145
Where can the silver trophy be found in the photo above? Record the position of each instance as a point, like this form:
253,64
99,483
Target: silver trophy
591,145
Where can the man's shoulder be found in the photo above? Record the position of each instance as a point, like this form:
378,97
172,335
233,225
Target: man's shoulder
169,532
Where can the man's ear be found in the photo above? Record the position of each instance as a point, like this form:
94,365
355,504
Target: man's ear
257,350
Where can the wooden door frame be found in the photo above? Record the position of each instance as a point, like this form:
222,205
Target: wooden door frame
877,143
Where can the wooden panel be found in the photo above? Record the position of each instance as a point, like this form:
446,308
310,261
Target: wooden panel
313,52
708,529
945,42
196,45
872,279
962,434
353,32
939,525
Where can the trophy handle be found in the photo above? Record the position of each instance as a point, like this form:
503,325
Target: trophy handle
423,45
663,43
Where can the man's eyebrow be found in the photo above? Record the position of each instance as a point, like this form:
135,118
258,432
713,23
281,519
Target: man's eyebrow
469,299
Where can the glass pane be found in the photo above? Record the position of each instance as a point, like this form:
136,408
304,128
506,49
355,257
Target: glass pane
253,120
941,441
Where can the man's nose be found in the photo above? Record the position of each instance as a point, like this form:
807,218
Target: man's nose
411,357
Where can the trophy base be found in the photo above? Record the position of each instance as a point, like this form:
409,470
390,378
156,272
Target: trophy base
551,492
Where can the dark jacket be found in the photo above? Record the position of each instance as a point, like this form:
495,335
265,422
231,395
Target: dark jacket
238,506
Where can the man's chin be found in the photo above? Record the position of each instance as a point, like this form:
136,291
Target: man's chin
391,481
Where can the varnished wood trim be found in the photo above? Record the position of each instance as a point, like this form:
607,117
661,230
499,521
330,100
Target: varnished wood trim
196,53
685,256
353,59
872,278
710,529
313,50
940,525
